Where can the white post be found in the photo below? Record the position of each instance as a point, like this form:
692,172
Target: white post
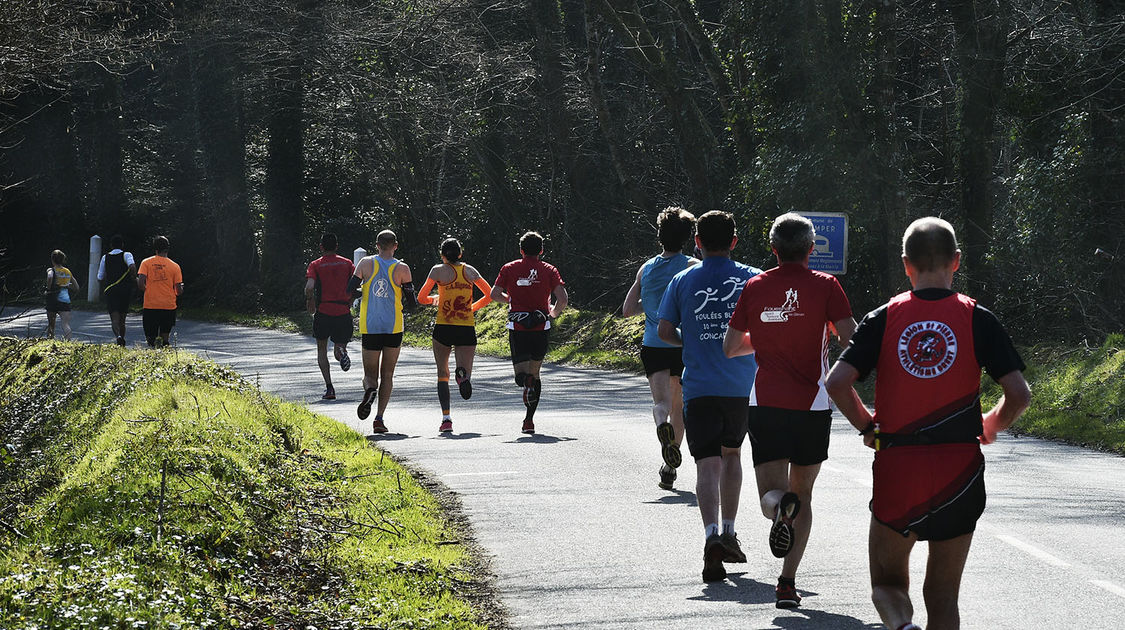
93,287
358,254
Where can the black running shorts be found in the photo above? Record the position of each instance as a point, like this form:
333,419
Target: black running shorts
453,335
55,306
157,322
527,345
712,422
957,518
117,301
799,436
338,328
658,359
379,341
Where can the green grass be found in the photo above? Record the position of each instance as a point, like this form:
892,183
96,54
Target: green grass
1077,394
156,490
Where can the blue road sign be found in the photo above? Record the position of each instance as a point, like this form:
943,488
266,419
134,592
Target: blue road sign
830,245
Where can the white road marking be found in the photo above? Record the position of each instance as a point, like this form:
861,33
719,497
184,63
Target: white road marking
1035,551
478,474
1109,586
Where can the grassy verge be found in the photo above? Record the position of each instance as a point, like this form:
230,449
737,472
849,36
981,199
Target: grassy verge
1077,394
154,490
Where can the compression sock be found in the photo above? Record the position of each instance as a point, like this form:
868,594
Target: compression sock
443,395
660,413
728,526
531,391
711,530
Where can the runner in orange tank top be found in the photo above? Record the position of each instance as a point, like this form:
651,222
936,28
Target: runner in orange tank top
455,326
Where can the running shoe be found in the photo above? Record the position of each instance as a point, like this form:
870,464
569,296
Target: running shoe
781,533
377,426
733,549
329,393
364,409
667,477
121,341
528,427
463,383
669,450
787,596
343,358
446,426
713,554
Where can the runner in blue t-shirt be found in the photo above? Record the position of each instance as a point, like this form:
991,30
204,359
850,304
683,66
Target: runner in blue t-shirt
700,301
663,362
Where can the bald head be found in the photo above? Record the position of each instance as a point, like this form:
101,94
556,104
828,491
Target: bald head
930,244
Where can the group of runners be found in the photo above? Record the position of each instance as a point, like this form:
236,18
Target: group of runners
158,277
733,352
384,287
730,352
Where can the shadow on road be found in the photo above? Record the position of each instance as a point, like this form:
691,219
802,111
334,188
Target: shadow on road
540,438
390,437
820,620
463,436
677,497
737,588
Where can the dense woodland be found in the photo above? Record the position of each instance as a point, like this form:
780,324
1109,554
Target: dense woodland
243,128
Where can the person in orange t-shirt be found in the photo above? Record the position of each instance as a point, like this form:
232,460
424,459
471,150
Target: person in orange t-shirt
160,279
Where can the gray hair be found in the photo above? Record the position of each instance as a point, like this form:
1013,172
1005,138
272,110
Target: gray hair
792,236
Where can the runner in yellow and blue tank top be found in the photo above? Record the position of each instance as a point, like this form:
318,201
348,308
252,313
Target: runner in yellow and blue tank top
60,284
663,362
455,325
385,290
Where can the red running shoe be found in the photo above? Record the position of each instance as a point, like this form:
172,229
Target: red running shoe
787,596
528,427
446,426
377,426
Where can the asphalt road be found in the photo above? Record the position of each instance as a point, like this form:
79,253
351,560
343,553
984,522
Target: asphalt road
581,537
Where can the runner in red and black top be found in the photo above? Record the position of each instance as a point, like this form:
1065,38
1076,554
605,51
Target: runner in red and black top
784,316
328,299
527,285
928,347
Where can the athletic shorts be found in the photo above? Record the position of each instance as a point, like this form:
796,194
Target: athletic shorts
118,301
799,436
157,322
712,422
937,492
657,359
338,328
453,335
527,345
55,306
378,341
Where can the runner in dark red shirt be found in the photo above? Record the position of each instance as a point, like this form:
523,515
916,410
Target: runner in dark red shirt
928,347
526,286
784,317
327,298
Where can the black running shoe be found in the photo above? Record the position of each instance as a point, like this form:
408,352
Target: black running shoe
733,549
464,385
343,358
713,554
121,341
369,396
781,533
787,596
329,394
667,477
669,450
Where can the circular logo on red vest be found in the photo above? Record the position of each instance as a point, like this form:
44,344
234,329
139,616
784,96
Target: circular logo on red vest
927,349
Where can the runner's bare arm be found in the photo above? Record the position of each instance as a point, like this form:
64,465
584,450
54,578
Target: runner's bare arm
472,275
736,343
310,295
498,294
141,280
840,384
632,305
561,299
845,328
1016,398
667,332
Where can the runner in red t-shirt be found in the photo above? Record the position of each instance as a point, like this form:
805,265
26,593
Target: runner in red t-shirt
527,285
327,298
784,316
928,347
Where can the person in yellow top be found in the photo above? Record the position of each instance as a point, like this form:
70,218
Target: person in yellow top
60,283
454,325
161,280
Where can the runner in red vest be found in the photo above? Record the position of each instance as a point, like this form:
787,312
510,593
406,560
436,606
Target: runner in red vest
328,299
785,317
927,347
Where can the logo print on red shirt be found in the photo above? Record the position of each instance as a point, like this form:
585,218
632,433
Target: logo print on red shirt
927,349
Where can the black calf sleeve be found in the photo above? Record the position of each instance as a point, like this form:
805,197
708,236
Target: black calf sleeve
521,378
443,395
